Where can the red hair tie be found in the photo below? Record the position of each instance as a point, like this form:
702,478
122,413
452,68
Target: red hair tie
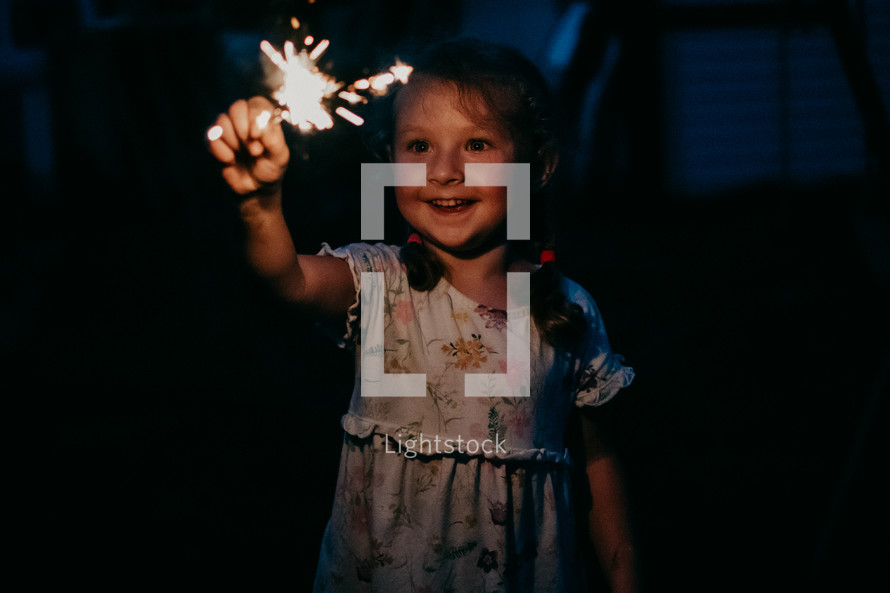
548,255
415,238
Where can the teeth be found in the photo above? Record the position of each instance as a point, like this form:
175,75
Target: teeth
448,203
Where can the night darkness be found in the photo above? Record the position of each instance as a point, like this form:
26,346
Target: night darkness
723,195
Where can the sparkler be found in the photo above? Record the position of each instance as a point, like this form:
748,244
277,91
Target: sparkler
305,94
304,87
305,90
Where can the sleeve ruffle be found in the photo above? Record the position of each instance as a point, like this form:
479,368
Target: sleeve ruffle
600,373
352,314
361,257
596,389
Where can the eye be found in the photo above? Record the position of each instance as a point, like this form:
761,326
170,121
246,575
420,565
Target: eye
419,146
476,145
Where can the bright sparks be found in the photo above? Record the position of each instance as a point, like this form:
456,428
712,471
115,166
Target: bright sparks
351,97
349,116
401,71
304,93
379,83
319,49
304,89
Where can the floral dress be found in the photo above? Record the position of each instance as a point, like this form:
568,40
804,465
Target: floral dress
446,492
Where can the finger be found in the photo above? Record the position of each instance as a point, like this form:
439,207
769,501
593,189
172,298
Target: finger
256,148
222,151
227,132
267,129
276,145
258,124
223,142
266,172
238,181
261,115
239,113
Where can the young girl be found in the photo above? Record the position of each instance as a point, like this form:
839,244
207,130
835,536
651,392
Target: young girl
448,492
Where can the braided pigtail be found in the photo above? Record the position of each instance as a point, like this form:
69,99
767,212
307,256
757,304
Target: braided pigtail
423,267
560,321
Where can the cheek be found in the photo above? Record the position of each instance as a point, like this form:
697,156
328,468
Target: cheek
406,200
497,211
403,196
497,197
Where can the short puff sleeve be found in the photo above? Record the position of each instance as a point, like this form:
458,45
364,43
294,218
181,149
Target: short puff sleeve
600,373
361,257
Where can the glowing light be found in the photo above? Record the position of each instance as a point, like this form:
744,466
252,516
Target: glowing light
214,133
273,55
351,97
379,83
319,49
305,93
349,116
294,22
263,119
401,71
304,88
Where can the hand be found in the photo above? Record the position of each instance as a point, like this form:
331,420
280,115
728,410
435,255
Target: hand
251,147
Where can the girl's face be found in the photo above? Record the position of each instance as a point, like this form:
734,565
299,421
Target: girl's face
432,127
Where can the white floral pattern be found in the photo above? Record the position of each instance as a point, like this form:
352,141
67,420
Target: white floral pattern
411,516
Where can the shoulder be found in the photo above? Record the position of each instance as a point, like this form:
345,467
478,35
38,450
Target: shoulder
367,257
577,294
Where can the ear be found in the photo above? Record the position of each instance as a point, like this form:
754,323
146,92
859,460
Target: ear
549,159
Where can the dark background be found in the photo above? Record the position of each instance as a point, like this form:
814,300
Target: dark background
724,199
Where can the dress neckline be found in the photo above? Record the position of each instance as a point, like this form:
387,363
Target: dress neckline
450,289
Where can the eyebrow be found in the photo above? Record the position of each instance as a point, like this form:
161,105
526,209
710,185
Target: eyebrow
473,130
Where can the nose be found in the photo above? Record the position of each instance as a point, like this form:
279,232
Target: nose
445,168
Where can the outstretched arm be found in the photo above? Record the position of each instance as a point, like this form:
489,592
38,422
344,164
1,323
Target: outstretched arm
608,521
254,155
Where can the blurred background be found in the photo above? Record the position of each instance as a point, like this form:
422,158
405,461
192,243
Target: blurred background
724,197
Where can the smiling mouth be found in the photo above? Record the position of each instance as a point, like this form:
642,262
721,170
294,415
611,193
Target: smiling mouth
450,205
